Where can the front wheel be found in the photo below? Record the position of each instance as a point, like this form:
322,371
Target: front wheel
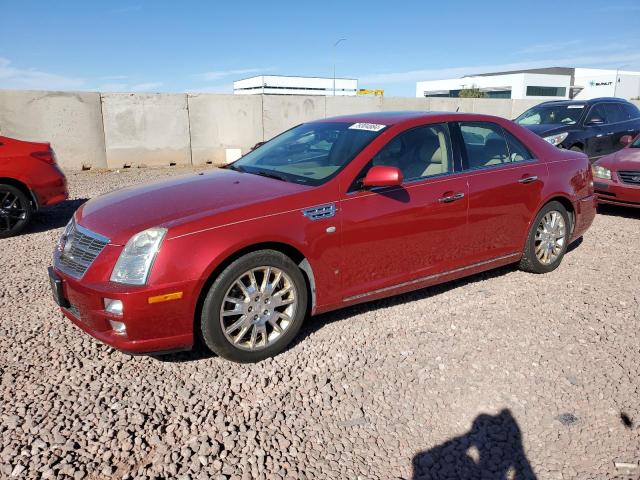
547,240
15,210
255,307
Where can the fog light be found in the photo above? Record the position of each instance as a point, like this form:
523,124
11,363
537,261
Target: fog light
118,327
114,307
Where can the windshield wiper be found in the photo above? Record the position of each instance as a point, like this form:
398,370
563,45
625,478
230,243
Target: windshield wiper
264,173
237,168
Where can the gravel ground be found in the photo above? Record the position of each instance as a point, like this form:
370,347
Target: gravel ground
508,373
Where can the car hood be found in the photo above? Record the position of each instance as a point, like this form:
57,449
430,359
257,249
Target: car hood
546,129
120,214
625,159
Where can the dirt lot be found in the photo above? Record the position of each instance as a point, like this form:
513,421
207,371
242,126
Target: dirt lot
514,374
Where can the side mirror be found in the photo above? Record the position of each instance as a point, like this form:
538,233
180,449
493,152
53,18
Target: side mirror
626,140
595,121
383,176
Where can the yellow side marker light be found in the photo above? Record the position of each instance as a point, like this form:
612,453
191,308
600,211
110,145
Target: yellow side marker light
166,297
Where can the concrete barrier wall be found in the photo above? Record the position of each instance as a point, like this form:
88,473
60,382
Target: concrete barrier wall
223,122
149,129
281,112
113,130
70,121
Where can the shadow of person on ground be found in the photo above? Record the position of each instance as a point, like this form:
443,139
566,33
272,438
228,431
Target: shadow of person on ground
491,450
50,218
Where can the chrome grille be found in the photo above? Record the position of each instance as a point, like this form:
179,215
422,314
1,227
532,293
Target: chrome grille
77,250
320,212
632,177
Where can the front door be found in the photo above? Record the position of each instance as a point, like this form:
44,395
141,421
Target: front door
397,234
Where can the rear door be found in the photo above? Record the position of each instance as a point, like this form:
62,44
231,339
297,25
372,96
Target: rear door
619,123
600,141
505,189
393,235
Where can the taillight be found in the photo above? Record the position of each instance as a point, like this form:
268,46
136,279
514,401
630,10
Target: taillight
47,157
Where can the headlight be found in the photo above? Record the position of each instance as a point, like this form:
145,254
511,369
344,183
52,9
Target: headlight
601,172
137,258
556,139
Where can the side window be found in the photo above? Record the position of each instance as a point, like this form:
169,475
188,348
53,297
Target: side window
517,151
615,113
419,153
597,114
631,110
485,144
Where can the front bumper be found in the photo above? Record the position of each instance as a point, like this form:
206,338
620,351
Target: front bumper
612,192
150,328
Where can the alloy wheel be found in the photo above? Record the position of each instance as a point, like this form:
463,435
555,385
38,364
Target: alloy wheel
550,237
12,210
258,308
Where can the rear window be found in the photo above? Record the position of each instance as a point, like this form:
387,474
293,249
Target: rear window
631,111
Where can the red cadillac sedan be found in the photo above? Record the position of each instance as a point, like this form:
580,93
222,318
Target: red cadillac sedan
617,176
29,180
327,214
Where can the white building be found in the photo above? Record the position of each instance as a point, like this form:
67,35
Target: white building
284,85
552,83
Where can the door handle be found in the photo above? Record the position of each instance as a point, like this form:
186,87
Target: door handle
530,179
451,198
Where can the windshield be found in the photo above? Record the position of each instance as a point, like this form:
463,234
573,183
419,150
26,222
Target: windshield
551,114
310,153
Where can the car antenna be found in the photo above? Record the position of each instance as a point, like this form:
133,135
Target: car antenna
458,108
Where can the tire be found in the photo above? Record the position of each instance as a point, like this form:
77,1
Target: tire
15,210
575,148
228,309
552,248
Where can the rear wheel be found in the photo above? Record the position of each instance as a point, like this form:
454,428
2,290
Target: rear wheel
547,240
255,307
15,210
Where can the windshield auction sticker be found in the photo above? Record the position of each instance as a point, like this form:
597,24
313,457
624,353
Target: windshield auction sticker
371,127
575,106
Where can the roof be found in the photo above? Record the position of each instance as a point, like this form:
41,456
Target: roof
590,101
292,76
393,118
547,71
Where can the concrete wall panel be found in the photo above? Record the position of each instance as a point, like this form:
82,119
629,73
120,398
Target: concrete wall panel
437,104
347,105
395,104
221,122
281,112
493,106
519,106
70,121
146,129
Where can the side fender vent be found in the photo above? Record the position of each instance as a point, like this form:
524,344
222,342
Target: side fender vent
320,212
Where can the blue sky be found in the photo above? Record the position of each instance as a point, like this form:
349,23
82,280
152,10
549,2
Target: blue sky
194,46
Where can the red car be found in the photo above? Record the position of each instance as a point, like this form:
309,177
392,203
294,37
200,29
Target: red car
328,214
29,180
617,176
